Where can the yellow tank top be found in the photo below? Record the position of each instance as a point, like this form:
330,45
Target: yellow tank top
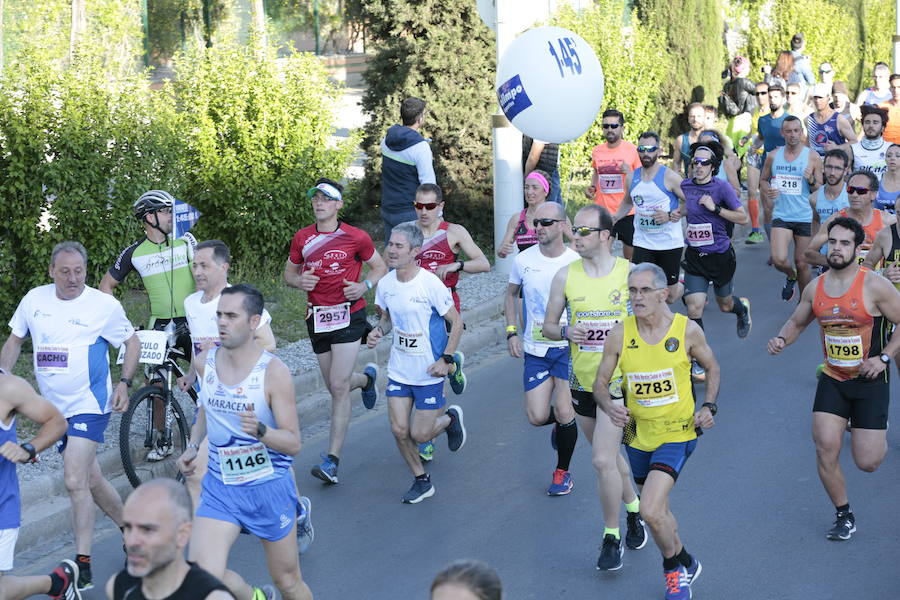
600,303
657,384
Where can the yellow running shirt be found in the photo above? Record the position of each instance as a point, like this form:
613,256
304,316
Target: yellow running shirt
599,302
657,384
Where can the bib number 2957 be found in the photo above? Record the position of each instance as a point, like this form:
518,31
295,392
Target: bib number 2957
331,318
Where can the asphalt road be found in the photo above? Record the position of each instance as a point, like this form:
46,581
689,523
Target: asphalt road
749,502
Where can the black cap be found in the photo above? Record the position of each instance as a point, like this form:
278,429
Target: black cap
797,41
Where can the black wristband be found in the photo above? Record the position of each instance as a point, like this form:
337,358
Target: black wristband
126,381
32,453
261,429
712,406
462,266
717,209
511,334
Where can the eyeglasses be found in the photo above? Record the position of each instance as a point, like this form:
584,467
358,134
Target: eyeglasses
790,93
703,162
762,93
858,191
645,149
424,206
611,125
642,291
584,231
545,222
167,210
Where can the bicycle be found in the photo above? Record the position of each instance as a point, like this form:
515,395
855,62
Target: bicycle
137,434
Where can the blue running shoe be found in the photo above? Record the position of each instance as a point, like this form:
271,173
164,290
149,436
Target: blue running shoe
677,586
305,532
458,378
787,292
327,471
562,483
370,390
693,571
419,491
456,430
426,451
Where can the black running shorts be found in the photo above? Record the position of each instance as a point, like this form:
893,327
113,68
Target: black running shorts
863,401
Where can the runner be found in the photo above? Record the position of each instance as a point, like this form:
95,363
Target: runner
755,161
853,306
519,233
889,186
696,119
467,580
594,291
656,190
892,106
248,410
869,152
546,371
831,197
610,162
18,398
768,139
326,261
157,529
414,302
881,91
656,370
789,175
827,130
710,202
72,326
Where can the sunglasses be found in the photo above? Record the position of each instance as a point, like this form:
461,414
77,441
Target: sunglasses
584,231
647,148
762,93
858,191
703,162
423,206
611,125
166,210
545,222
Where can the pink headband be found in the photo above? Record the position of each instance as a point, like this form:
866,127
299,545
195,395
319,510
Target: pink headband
540,179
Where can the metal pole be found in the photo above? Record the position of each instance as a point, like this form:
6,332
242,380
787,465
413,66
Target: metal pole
896,38
316,23
508,191
145,21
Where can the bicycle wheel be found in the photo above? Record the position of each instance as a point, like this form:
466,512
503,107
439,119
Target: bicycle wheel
137,437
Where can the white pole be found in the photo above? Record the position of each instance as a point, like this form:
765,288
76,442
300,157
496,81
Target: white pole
896,38
508,192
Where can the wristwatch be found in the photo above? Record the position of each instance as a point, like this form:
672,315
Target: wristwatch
717,209
32,453
712,406
126,381
885,358
261,429
448,358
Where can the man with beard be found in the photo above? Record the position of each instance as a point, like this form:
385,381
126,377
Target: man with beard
769,138
853,306
157,528
696,118
654,193
831,197
868,153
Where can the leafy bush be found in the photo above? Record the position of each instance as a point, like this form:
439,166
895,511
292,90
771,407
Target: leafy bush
879,18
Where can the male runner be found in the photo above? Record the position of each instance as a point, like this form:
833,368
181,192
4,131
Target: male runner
546,370
892,106
655,193
755,161
826,129
594,290
610,162
157,519
164,266
769,138
71,327
789,175
416,305
853,306
881,91
248,411
655,363
18,398
869,151
696,119
831,197
326,262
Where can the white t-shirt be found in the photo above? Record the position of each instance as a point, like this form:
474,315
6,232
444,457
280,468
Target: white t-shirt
201,317
417,308
534,272
71,340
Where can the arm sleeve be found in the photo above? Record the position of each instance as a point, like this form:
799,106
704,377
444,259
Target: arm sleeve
122,266
117,328
424,164
19,321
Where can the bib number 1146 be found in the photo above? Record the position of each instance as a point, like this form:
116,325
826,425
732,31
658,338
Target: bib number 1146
566,57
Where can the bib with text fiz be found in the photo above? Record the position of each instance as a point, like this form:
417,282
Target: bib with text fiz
411,343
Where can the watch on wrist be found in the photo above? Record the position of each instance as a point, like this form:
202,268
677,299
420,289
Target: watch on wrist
712,406
717,209
126,381
261,429
462,266
32,453
447,358
368,284
193,445
885,358
511,334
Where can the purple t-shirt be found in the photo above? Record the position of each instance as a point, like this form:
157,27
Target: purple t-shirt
706,230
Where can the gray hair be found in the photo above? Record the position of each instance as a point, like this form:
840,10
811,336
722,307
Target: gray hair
68,247
413,234
659,276
183,509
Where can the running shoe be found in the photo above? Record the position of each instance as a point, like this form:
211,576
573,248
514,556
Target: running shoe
610,553
68,572
693,571
553,434
562,483
458,378
698,373
266,592
635,535
327,471
677,586
305,532
426,451
420,490
456,430
787,292
370,390
85,579
844,526
159,453
755,237
744,322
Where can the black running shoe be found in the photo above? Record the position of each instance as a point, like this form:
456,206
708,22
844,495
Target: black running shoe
610,553
85,579
744,322
456,431
420,490
787,292
844,526
636,535
68,572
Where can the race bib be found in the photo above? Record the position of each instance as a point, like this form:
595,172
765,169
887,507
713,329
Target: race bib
153,347
596,335
650,389
647,224
843,350
331,318
537,332
611,183
700,234
412,344
243,464
51,359
789,184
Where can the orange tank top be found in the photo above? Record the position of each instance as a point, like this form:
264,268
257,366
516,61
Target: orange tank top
871,230
849,333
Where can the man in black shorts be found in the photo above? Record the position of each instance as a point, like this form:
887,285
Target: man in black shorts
853,306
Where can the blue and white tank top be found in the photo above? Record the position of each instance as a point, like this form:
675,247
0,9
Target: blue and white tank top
886,200
821,133
10,504
825,207
649,197
792,203
235,457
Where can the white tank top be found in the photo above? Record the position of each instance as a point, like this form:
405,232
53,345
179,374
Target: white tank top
649,197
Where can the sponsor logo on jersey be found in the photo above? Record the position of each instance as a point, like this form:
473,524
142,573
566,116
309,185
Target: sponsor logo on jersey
633,344
672,344
285,521
80,426
433,255
430,400
77,322
335,255
393,388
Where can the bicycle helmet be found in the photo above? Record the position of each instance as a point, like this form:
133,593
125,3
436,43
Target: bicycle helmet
152,201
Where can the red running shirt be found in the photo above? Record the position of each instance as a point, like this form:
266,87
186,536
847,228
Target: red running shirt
335,256
436,251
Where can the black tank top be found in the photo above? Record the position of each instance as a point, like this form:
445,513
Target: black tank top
197,584
893,255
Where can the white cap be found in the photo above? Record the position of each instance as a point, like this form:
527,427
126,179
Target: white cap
821,89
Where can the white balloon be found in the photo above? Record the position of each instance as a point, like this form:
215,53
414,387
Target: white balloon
550,84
